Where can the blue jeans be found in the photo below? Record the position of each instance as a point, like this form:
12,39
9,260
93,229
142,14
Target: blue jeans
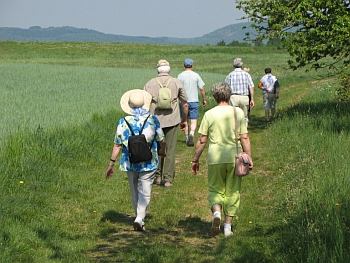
192,110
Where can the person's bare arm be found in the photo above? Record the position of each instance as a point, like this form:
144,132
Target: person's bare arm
162,151
260,85
252,97
202,90
115,152
200,145
183,125
245,141
277,93
277,88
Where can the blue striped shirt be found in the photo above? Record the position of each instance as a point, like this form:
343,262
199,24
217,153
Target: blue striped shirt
240,82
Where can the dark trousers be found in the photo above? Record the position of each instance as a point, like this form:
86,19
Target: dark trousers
166,167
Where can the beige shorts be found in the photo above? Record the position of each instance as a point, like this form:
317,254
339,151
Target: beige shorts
241,102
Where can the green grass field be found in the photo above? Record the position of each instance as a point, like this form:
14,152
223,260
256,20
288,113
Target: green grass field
60,104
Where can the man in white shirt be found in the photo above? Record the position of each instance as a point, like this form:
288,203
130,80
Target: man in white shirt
192,83
271,92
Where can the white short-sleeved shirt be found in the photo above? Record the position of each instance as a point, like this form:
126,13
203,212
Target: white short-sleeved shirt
268,82
192,82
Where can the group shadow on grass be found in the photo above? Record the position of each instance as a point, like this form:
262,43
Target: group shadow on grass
194,231
122,242
191,226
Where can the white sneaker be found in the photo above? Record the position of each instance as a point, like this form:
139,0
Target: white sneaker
228,232
215,227
139,225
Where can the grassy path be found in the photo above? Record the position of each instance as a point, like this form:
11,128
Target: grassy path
179,220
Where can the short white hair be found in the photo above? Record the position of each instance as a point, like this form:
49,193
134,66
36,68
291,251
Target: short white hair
163,69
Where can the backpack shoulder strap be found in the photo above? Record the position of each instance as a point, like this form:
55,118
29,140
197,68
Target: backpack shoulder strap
164,86
168,82
160,84
144,124
130,127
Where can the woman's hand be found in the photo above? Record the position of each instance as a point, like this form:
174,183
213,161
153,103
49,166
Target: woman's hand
162,153
194,167
109,171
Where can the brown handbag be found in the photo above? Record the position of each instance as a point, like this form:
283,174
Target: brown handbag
243,160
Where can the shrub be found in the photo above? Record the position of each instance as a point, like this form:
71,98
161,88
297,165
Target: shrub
343,91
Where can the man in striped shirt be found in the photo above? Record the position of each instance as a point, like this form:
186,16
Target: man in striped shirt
241,85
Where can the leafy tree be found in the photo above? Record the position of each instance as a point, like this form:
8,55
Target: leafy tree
343,91
276,41
312,31
258,42
221,43
234,43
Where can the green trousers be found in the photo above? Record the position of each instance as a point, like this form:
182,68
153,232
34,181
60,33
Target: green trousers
224,187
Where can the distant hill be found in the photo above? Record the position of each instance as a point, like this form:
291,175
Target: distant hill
71,34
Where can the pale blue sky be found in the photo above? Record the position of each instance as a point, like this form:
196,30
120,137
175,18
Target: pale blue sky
171,18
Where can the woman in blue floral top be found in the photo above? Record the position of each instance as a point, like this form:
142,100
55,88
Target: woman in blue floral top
140,175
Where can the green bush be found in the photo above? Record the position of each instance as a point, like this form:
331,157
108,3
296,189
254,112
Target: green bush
343,91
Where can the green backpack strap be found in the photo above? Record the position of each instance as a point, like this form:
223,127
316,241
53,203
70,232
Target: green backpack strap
161,85
168,82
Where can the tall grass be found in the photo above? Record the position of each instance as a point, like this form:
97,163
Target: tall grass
62,105
309,158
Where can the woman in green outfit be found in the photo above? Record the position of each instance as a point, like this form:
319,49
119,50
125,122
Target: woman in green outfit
218,128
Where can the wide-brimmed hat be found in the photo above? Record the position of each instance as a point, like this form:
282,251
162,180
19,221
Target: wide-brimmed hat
135,98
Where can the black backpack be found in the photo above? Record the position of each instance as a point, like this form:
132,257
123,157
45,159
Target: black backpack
138,149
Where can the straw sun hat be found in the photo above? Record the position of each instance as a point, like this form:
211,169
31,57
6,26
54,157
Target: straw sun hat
135,98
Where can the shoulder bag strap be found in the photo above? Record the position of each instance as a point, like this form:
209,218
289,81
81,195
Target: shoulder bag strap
236,126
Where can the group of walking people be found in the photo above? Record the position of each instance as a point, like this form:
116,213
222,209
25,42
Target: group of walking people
160,126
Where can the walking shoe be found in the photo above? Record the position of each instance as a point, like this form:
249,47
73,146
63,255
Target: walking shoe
190,141
139,225
215,227
228,232
157,181
168,184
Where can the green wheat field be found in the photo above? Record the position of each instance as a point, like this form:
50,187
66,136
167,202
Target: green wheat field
60,106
